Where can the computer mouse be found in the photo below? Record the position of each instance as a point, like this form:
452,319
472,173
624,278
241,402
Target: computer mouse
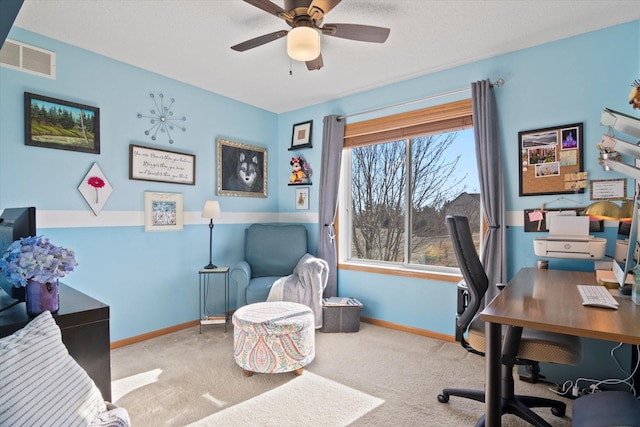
625,290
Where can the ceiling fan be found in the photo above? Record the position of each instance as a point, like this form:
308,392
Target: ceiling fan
305,19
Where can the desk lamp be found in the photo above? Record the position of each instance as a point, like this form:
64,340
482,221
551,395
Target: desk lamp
211,210
610,211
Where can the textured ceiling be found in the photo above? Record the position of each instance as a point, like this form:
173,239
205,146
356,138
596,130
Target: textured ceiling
189,40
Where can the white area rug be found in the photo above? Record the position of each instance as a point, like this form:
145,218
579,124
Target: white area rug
305,400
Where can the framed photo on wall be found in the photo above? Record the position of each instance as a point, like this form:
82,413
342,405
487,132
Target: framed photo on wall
301,135
242,169
163,211
302,198
546,156
64,125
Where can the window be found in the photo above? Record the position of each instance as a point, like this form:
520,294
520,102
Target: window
403,175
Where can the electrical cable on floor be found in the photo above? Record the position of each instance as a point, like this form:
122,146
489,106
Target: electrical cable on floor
571,390
564,390
610,381
612,353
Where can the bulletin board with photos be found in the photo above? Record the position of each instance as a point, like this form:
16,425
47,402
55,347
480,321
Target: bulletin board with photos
547,157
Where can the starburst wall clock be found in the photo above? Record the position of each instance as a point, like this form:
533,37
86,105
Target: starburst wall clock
161,118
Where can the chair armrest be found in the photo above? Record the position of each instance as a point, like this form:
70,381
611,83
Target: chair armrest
241,275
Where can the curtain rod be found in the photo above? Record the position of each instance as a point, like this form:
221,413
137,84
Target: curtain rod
498,83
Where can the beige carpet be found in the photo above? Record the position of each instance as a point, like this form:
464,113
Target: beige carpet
304,398
376,377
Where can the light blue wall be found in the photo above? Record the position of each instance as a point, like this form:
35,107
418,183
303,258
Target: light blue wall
564,82
150,279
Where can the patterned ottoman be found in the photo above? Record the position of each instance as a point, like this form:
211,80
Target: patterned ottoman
272,337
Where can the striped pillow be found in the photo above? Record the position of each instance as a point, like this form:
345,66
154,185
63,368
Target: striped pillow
40,383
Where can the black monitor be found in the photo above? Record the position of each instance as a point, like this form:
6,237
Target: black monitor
15,223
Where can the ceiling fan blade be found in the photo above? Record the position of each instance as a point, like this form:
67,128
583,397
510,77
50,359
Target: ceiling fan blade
363,33
315,64
271,8
319,8
259,41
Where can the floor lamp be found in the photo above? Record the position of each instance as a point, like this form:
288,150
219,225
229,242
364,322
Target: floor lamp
211,210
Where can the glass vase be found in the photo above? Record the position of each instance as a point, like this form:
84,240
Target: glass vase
41,297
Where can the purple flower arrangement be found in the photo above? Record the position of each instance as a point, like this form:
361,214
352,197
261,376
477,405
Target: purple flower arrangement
35,258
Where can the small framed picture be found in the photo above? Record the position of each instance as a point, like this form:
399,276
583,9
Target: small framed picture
163,211
64,125
302,198
301,136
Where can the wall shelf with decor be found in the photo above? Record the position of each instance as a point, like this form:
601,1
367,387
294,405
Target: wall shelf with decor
610,147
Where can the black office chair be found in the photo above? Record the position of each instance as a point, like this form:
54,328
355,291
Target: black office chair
520,346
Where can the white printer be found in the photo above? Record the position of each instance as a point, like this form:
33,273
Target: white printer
569,238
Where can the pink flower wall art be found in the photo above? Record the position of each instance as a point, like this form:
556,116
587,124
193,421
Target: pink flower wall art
95,189
97,183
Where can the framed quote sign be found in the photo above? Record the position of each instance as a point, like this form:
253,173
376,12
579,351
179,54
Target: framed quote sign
546,156
152,164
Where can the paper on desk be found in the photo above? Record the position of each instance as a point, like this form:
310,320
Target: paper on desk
568,226
608,276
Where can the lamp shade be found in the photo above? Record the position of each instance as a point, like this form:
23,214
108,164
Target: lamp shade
626,211
603,209
211,209
303,44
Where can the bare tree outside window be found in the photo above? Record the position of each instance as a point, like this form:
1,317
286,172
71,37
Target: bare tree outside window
432,182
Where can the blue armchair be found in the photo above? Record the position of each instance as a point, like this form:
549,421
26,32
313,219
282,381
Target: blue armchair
271,252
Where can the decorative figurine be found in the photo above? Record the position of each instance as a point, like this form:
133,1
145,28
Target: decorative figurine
634,96
301,171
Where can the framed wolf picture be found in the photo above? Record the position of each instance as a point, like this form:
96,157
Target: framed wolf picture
242,169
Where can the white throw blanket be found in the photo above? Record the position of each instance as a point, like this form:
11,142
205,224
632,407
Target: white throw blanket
304,286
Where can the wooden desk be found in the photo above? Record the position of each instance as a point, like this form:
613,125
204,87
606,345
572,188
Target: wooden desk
548,300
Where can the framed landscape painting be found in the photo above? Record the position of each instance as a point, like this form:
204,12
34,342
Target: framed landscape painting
64,125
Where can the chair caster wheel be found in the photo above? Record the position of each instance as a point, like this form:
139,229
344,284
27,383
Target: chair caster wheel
558,412
443,398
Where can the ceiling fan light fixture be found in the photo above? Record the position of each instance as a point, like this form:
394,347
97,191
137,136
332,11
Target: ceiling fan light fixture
303,44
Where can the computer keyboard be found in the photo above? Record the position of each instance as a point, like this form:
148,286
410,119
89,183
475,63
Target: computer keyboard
597,296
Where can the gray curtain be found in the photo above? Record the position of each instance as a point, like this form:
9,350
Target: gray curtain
489,157
332,142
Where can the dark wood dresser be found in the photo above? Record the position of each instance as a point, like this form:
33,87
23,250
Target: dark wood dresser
84,323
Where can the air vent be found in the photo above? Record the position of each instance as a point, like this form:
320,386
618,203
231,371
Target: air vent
30,59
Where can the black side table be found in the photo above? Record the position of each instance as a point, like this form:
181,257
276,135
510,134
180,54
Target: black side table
205,279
